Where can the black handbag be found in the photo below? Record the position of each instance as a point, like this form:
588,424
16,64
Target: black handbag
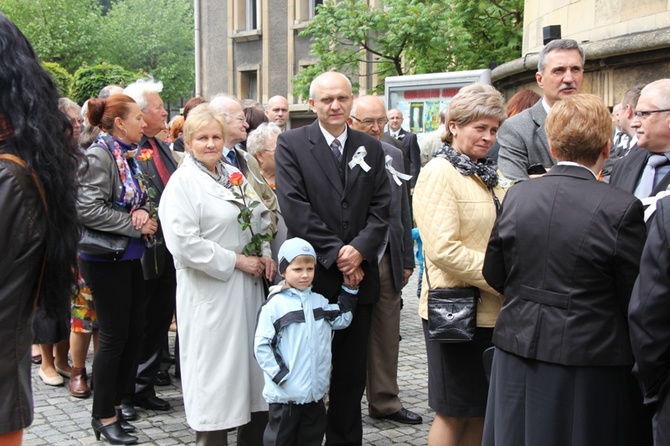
103,244
452,313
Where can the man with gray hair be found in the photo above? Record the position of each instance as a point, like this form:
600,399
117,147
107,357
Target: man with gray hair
646,173
157,264
522,138
396,263
109,90
236,132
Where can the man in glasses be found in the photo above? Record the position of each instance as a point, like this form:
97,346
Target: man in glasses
396,263
646,172
236,132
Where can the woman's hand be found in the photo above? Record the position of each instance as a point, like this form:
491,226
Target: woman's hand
139,217
270,267
149,227
252,265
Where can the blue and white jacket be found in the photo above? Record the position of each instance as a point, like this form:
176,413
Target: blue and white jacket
292,342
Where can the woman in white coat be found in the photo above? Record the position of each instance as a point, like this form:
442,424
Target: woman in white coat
219,289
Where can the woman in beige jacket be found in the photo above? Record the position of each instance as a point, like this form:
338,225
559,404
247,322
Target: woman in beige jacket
455,203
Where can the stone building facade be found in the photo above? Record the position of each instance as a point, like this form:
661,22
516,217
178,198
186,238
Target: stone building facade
252,48
626,43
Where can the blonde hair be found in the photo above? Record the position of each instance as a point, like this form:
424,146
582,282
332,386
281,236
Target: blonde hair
199,117
474,102
578,127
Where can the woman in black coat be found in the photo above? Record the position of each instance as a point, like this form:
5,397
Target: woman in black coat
38,222
565,253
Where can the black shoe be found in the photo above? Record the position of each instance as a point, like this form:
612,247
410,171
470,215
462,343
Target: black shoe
126,426
162,378
113,432
404,416
128,411
152,403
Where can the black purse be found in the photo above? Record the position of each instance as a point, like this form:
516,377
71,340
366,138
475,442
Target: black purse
103,244
452,313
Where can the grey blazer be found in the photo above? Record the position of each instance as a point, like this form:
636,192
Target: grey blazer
523,142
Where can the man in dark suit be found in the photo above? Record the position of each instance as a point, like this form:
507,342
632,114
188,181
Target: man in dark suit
334,193
410,149
522,138
649,318
157,264
625,120
646,173
565,252
396,263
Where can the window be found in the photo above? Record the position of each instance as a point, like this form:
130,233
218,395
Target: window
252,14
248,84
247,15
305,10
312,7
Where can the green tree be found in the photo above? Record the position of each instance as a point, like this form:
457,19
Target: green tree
88,81
155,36
61,31
60,76
411,37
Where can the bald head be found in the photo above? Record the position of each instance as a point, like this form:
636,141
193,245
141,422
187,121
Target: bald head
330,98
368,115
277,111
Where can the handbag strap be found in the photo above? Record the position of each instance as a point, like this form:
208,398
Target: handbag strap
15,159
425,270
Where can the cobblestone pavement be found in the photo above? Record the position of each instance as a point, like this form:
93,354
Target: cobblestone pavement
63,420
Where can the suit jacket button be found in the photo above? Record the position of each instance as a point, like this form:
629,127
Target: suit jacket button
345,225
344,205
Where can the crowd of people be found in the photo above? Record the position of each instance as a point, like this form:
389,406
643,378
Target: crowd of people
283,253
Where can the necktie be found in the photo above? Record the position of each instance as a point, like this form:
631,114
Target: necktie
646,184
231,158
335,146
158,162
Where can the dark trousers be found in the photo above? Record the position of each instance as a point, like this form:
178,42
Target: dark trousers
347,382
118,291
295,424
160,308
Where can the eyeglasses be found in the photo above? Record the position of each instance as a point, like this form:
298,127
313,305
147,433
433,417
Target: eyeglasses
370,122
645,113
239,118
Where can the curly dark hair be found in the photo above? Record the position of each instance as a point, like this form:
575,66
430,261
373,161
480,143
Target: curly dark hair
41,135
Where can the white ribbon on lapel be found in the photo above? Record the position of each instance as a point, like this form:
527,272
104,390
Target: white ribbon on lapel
397,176
359,158
650,203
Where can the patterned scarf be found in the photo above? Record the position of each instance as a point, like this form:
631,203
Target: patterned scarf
133,191
484,169
221,176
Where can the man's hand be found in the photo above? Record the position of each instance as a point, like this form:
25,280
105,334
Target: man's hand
348,259
406,274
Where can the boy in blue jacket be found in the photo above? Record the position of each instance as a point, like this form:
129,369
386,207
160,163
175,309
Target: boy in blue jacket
293,347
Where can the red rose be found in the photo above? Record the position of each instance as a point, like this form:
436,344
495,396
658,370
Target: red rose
236,179
145,155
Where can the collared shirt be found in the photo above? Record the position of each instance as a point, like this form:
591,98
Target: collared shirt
330,138
662,171
546,106
572,163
